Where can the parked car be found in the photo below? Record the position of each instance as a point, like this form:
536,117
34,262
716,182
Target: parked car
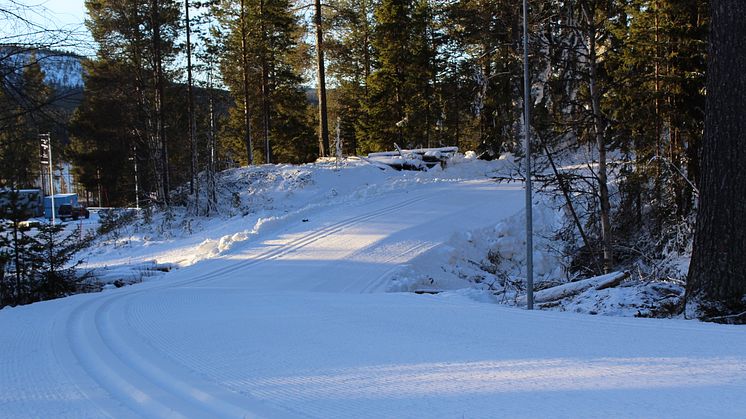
72,211
29,224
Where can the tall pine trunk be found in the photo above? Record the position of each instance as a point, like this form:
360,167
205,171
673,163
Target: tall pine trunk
245,84
599,131
190,111
321,71
266,90
159,98
716,287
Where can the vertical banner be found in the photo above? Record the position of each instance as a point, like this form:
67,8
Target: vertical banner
44,149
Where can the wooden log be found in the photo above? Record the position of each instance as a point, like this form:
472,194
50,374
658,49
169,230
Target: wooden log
613,282
574,288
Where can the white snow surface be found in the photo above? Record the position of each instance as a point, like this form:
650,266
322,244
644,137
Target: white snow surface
282,310
61,69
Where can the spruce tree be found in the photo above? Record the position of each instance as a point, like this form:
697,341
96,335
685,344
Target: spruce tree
17,251
138,38
262,67
55,274
350,62
19,143
400,89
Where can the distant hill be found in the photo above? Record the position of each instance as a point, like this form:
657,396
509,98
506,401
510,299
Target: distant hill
62,70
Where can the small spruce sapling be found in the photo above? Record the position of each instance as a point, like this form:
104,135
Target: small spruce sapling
55,269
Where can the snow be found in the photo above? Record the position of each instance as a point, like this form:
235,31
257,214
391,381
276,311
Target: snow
285,306
61,69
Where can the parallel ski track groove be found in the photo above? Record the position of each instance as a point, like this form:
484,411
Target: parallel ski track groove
303,241
122,372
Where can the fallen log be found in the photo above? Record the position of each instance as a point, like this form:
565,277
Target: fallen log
563,291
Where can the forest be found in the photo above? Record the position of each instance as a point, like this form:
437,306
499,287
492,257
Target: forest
179,90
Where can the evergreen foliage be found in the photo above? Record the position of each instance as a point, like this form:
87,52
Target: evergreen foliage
36,264
19,143
269,34
123,106
619,80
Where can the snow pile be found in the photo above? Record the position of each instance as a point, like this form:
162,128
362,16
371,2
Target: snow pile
489,264
491,259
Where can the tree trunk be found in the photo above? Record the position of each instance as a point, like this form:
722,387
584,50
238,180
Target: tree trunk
17,257
159,98
266,117
245,86
716,287
599,128
190,110
320,64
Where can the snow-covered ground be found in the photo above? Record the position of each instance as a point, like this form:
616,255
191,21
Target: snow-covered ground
283,307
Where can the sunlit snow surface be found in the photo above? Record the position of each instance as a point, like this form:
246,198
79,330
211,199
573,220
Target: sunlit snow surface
294,321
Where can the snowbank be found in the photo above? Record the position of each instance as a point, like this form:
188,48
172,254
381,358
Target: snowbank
259,199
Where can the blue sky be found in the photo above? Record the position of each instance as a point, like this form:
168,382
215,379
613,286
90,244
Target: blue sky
68,15
64,12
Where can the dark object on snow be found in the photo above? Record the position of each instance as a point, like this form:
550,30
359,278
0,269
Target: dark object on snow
73,211
305,220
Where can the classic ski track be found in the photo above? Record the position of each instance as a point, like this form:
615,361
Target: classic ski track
145,387
303,241
375,283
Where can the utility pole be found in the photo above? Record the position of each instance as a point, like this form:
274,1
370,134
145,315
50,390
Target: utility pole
46,143
527,146
339,142
137,192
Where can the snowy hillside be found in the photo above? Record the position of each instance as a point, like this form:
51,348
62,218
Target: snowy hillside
258,199
286,305
61,70
486,262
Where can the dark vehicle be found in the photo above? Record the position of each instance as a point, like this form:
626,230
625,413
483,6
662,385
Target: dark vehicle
73,211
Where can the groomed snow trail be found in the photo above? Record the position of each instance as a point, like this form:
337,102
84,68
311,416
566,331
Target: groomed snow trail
296,323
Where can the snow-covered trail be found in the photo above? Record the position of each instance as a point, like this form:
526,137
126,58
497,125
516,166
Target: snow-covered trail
294,324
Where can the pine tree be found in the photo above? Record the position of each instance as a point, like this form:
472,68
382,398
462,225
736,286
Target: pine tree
19,143
489,33
106,130
716,287
262,68
138,37
401,88
350,57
